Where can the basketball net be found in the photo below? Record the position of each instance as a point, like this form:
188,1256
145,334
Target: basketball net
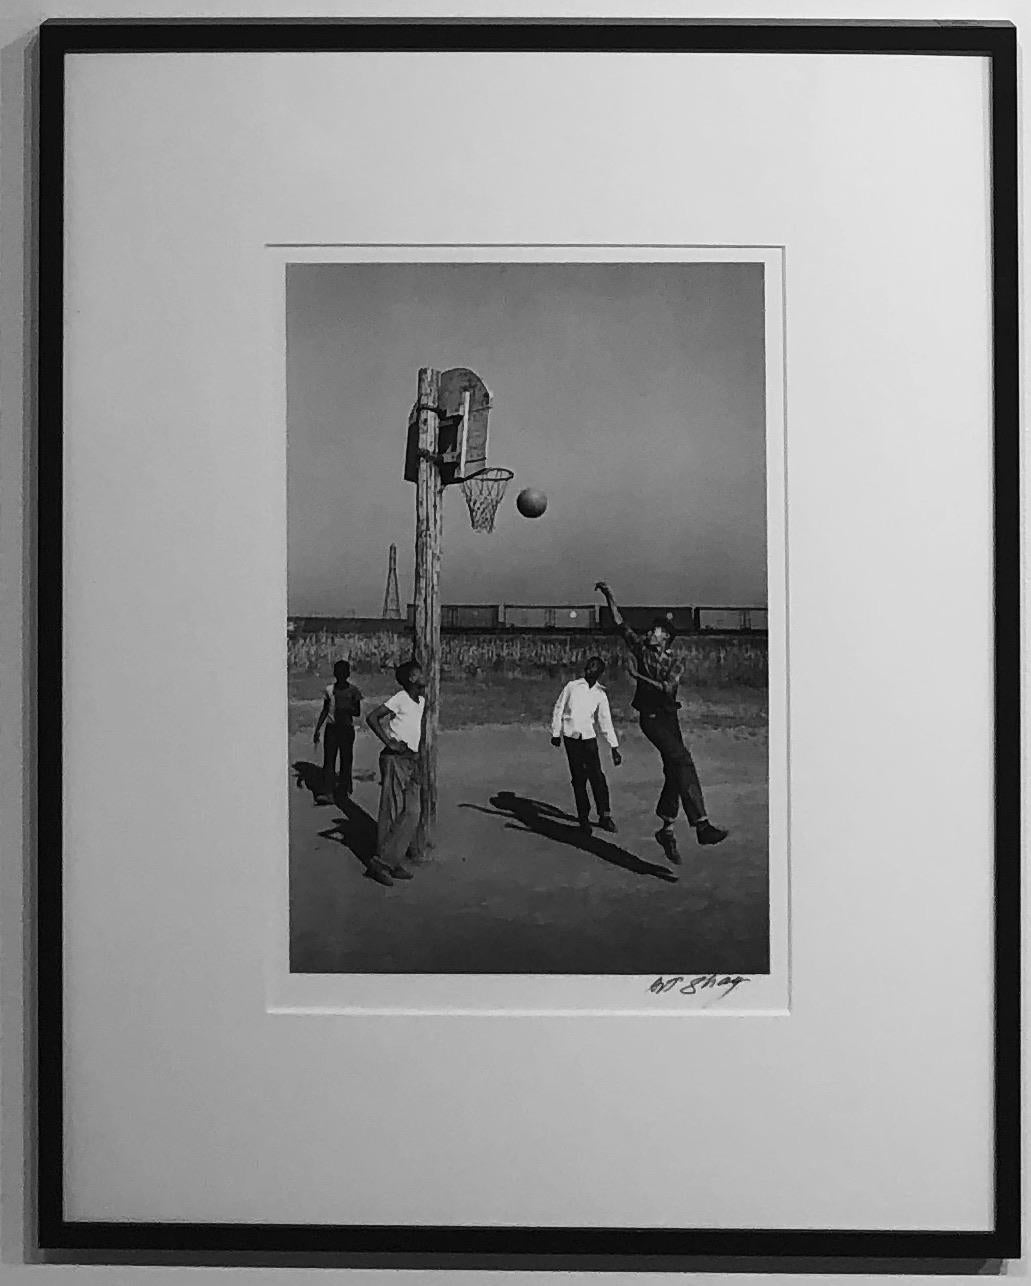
484,492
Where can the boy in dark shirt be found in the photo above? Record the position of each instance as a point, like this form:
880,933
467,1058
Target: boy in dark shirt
341,703
657,673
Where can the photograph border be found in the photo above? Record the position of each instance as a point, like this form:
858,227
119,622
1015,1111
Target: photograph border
995,42
596,994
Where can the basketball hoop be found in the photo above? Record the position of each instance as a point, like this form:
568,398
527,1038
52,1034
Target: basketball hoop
484,492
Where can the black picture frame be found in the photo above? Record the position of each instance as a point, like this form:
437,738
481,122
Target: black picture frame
530,1247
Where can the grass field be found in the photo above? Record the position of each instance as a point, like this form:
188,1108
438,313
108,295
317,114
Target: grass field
513,886
710,661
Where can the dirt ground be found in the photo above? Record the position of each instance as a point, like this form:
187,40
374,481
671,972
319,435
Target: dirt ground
513,887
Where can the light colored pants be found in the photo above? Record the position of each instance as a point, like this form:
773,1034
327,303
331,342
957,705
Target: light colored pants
400,802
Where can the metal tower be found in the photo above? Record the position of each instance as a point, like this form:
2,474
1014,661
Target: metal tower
391,598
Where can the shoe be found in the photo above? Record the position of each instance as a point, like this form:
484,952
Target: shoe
709,834
607,824
668,841
378,872
401,873
584,828
322,800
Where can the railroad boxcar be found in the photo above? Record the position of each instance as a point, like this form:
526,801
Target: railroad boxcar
563,617
464,616
640,618
469,616
731,620
519,616
576,617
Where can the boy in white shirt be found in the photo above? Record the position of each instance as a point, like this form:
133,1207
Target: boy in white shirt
398,724
581,705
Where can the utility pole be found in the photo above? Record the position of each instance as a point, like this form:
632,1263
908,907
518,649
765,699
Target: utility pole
429,531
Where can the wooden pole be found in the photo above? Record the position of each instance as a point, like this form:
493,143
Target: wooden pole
429,530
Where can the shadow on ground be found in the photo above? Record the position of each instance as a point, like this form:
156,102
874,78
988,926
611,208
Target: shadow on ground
535,817
356,830
309,777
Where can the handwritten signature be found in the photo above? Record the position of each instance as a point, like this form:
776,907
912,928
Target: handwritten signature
682,985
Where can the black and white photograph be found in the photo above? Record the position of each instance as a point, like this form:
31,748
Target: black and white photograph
527,618
512,525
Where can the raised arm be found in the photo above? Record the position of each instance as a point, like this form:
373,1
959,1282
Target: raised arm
630,638
606,592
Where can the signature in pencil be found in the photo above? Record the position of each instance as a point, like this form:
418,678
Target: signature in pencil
683,985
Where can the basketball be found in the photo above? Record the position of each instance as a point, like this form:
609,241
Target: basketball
531,503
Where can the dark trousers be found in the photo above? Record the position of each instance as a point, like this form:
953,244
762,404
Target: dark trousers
680,784
338,740
584,767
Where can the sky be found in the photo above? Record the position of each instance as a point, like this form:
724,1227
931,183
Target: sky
631,394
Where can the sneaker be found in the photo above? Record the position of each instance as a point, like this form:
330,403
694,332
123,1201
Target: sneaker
607,824
668,841
378,872
401,873
709,834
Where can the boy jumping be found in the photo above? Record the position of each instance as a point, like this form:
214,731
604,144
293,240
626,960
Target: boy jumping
398,724
658,673
580,704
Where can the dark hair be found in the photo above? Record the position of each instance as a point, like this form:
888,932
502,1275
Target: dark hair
342,669
403,673
595,661
660,623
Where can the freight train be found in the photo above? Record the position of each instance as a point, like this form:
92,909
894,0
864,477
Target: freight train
579,618
528,618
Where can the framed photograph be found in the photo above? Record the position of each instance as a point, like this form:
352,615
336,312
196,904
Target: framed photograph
528,596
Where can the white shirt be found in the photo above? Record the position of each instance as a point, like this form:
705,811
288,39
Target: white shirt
405,723
576,709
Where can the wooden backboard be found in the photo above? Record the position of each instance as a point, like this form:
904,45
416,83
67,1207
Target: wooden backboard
463,405
464,400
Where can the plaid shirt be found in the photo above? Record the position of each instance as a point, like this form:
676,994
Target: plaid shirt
661,666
